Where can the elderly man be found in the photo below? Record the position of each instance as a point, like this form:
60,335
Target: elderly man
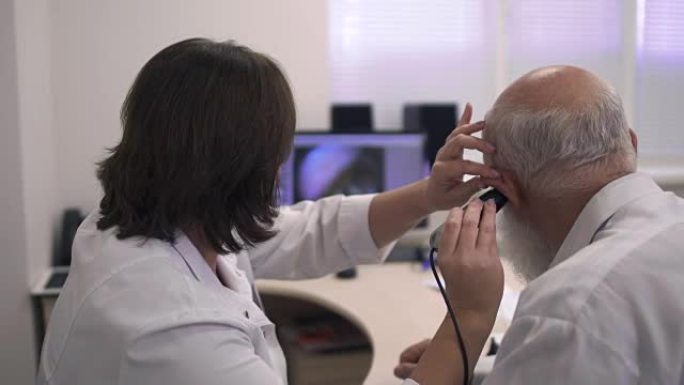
601,245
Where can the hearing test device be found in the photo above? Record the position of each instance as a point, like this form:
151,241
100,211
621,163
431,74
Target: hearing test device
499,200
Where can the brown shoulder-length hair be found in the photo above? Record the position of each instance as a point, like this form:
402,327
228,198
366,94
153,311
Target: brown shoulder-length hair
206,126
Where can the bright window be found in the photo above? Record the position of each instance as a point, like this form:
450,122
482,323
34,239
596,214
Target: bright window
587,33
659,102
392,52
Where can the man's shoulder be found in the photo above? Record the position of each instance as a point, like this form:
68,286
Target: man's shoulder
634,269
624,298
564,290
641,248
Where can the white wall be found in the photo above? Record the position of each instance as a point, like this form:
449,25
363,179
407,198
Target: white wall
16,329
98,47
38,150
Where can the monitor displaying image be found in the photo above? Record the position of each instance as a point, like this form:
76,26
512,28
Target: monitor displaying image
326,164
330,169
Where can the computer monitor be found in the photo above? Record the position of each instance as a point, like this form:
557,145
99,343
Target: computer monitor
325,164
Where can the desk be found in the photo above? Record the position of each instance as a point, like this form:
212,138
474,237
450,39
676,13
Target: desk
390,302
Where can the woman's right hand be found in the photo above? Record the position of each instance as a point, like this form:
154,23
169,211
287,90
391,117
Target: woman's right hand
469,261
474,284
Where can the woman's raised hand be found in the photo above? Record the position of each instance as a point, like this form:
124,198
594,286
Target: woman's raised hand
445,187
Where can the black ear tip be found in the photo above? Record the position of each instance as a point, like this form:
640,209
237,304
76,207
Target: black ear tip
496,195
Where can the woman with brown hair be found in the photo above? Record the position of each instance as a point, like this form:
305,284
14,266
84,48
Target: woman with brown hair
161,285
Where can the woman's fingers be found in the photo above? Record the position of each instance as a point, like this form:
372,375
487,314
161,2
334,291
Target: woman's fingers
413,353
453,149
467,129
467,115
486,238
456,168
451,231
409,358
469,227
404,370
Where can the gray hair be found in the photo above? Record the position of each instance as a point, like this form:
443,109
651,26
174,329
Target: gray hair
557,149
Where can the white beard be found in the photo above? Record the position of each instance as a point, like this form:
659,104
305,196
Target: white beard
522,246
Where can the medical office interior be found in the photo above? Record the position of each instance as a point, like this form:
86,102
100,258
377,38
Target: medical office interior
378,85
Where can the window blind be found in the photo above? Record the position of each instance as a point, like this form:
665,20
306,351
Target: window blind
587,33
659,102
392,52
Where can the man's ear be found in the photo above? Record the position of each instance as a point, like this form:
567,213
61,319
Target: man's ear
509,186
635,140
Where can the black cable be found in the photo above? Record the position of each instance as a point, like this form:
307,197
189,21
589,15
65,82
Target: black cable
452,315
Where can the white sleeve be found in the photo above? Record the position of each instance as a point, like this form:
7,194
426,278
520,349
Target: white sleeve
555,351
318,238
201,353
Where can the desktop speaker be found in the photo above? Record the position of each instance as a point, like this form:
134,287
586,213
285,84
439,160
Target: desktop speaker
435,120
352,118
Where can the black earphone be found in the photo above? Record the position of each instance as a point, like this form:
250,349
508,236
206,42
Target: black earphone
499,199
494,194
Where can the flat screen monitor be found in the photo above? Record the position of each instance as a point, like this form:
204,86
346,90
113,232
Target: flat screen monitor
325,164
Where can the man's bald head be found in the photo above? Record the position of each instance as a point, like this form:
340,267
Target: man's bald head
557,127
554,87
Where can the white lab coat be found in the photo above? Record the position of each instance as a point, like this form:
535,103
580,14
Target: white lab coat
611,308
145,312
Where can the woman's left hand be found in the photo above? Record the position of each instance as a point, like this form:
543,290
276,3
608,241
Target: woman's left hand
392,213
445,188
